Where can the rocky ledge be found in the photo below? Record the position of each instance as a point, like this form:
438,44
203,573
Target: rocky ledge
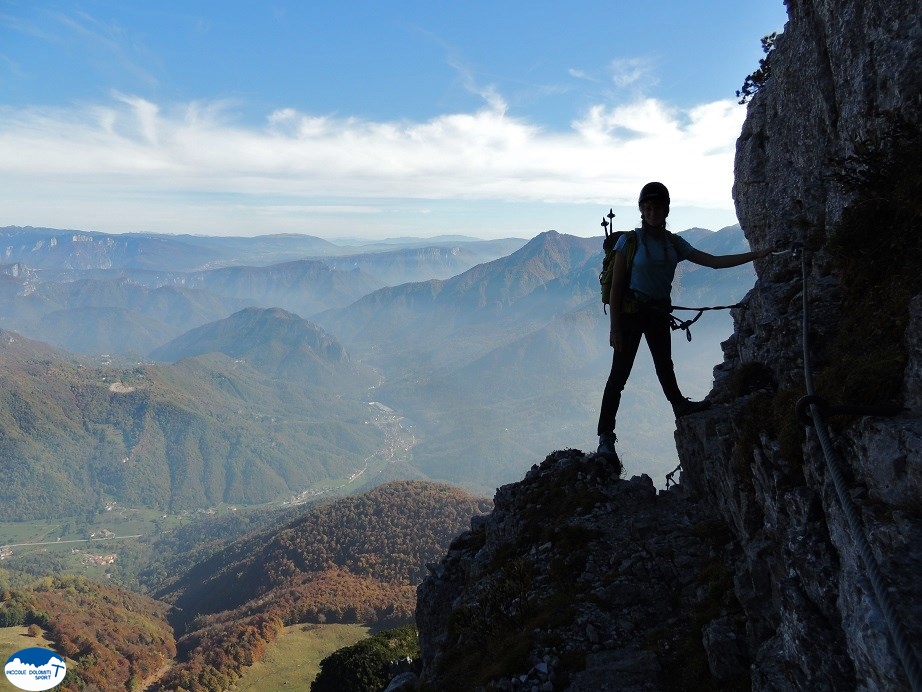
581,580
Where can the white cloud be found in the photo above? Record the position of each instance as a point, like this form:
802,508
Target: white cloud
136,159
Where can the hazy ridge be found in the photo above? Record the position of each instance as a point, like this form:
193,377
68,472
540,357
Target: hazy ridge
218,393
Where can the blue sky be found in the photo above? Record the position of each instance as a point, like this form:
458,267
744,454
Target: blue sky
374,119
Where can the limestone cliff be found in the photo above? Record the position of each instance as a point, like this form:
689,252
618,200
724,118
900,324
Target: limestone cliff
842,74
769,567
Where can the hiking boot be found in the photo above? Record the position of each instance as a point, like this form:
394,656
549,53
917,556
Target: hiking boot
607,444
686,406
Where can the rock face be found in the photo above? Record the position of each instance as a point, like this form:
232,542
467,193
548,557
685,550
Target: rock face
770,567
813,620
579,580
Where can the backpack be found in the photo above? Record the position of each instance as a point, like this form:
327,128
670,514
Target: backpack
608,262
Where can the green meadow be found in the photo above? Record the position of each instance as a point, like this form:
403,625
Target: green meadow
292,661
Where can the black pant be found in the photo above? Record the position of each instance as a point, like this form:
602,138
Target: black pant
654,325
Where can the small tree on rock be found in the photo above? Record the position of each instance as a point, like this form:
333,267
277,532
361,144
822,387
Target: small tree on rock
757,79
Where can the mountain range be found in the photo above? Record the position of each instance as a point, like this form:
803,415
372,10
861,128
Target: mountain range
510,357
179,389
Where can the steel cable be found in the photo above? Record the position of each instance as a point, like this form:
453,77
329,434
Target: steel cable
895,628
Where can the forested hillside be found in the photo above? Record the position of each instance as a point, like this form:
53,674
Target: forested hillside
357,559
113,639
384,535
75,435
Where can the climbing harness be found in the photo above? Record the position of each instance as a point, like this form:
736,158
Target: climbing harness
814,408
685,325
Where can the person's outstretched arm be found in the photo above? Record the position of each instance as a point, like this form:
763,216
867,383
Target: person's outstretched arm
726,261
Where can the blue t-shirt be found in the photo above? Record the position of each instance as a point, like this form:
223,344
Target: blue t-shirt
654,263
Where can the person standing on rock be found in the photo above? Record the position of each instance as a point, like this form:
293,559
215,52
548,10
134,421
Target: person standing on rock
644,266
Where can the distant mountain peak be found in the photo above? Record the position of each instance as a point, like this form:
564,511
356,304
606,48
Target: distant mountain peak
267,337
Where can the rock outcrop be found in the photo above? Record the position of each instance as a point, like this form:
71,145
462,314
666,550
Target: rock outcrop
578,580
788,558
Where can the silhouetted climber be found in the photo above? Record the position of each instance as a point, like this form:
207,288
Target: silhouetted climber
641,287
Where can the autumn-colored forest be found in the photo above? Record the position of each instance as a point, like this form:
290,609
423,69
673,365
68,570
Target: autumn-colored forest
113,639
355,559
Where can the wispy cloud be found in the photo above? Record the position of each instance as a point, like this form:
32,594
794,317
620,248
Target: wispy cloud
632,72
639,73
581,74
112,46
28,28
130,153
11,66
